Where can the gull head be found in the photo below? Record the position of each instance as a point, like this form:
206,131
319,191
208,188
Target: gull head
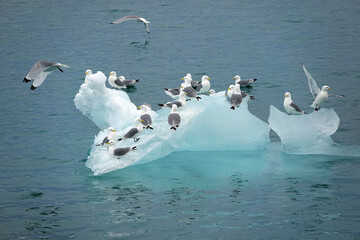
88,72
325,88
287,95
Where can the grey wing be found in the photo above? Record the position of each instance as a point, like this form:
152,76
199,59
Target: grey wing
131,133
190,91
129,82
126,18
195,83
119,83
236,99
314,87
106,140
173,91
174,119
121,151
292,104
147,119
178,104
199,87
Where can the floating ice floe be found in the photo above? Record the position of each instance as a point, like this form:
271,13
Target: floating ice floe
310,133
208,124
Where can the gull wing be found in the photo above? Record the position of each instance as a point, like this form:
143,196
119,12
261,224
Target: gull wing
126,18
314,87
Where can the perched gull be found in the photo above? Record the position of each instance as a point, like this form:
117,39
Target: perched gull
229,92
127,82
114,81
138,18
193,83
110,136
145,116
188,89
87,74
204,85
174,118
39,72
319,95
134,132
212,92
236,97
244,83
181,103
118,152
290,106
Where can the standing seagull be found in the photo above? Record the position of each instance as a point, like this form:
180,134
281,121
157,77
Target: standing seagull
236,97
174,118
188,89
118,152
290,106
145,116
138,18
204,85
319,95
39,72
114,81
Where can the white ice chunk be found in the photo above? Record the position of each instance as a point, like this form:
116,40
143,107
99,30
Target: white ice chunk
305,134
105,107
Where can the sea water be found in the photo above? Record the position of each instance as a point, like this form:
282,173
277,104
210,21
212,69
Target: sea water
48,192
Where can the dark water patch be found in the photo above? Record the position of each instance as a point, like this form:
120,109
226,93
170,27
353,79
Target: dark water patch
32,195
320,186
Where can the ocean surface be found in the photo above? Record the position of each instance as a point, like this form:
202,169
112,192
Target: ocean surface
47,192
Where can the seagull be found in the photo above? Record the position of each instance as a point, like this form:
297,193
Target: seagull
236,97
181,103
244,83
174,118
127,82
110,136
145,116
118,152
88,73
114,81
290,106
212,92
134,132
40,70
319,95
188,89
138,18
204,85
229,92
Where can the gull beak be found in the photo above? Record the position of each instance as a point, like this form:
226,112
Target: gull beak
209,78
107,143
186,93
183,79
228,88
138,107
234,77
141,120
330,88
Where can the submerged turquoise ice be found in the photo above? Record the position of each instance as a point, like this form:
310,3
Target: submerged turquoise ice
207,125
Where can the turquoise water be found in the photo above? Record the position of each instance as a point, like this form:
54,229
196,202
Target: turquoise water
47,192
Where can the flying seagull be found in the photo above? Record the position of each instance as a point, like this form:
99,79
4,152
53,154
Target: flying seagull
39,72
137,18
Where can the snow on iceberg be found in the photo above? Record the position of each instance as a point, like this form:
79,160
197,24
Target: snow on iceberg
310,133
208,124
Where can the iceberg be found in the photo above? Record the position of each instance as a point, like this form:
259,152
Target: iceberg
310,133
206,125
